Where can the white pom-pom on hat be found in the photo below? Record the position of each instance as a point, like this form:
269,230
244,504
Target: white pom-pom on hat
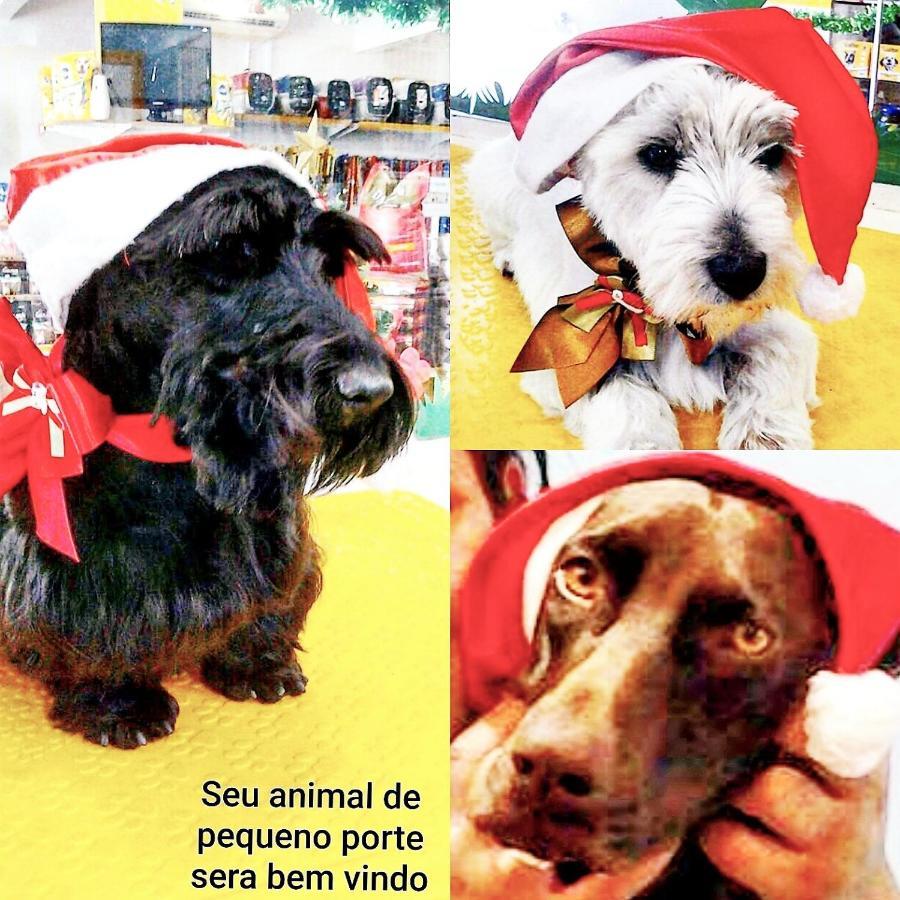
822,298
851,721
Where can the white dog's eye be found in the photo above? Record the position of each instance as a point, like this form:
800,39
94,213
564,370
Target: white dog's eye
659,158
772,157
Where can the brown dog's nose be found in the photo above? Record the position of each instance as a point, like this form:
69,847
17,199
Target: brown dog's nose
362,390
549,774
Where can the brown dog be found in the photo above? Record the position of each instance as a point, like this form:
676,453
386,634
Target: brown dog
678,627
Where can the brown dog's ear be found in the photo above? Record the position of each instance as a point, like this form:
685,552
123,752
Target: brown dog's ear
890,662
333,233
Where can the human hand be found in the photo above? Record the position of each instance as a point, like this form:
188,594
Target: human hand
483,869
827,840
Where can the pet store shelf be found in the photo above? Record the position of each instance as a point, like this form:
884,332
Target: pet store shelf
393,139
340,124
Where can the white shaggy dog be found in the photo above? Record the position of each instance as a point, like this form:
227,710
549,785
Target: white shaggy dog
694,183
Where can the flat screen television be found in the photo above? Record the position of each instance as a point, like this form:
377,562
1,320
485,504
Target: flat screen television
156,67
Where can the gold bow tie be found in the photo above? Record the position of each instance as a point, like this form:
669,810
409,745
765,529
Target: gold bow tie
588,332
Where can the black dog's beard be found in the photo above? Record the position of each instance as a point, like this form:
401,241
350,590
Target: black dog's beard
264,421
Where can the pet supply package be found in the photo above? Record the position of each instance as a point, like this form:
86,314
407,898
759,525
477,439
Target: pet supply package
393,208
71,76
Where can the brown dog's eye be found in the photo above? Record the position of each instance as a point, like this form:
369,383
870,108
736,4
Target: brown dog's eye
750,638
578,580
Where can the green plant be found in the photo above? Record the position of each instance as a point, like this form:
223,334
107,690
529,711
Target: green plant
712,5
401,12
857,24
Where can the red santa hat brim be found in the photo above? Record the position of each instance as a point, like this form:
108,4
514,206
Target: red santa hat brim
558,106
72,213
497,610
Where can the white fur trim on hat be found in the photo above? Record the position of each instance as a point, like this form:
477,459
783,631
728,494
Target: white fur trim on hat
822,298
577,106
851,721
69,228
537,569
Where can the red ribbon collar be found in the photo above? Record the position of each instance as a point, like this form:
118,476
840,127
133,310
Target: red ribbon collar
50,419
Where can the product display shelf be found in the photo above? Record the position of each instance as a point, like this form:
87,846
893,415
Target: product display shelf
884,95
329,125
365,138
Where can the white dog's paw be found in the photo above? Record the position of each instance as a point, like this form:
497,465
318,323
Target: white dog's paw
625,414
541,387
597,439
752,429
503,260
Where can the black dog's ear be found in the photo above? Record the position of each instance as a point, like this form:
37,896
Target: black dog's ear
333,233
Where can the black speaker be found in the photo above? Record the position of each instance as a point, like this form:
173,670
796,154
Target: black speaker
260,92
374,98
296,95
339,96
419,103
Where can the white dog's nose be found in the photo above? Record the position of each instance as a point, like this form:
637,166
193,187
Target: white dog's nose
738,274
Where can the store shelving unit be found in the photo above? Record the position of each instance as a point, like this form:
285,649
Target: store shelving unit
881,90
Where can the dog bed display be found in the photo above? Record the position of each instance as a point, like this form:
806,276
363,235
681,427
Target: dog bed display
93,823
491,323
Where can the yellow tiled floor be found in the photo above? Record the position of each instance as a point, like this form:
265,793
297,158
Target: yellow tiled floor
859,364
80,821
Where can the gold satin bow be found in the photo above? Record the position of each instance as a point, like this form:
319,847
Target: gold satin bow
586,333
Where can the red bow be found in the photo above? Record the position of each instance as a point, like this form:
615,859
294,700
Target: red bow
604,292
50,419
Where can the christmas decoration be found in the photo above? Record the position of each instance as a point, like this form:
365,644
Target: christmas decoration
712,5
310,148
402,12
856,24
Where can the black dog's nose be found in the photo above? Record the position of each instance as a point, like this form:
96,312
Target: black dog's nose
737,274
363,389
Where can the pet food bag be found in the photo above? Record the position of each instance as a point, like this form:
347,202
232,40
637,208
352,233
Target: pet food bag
71,76
221,113
889,62
856,56
393,209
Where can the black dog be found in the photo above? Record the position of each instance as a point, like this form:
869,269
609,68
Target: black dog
222,316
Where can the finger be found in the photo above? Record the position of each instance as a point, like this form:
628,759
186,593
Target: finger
483,870
793,805
758,863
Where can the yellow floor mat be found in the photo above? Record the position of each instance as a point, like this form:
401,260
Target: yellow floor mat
80,821
858,366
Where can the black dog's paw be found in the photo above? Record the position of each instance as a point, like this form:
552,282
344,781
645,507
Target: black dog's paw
266,683
125,716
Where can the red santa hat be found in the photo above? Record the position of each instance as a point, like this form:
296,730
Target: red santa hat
71,213
852,711
583,84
